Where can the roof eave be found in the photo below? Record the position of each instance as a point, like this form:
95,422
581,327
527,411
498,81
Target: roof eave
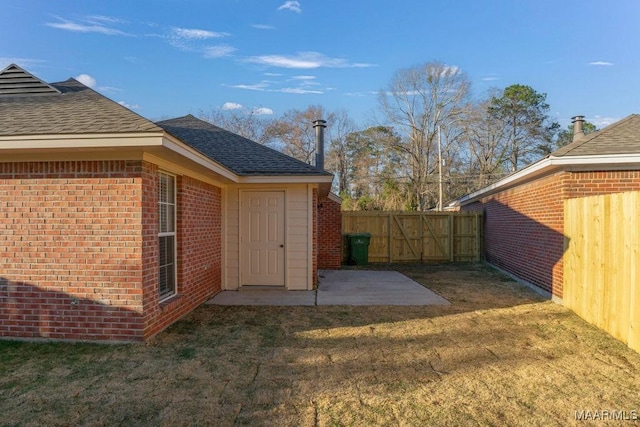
551,165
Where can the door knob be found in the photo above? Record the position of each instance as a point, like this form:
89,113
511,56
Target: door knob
282,246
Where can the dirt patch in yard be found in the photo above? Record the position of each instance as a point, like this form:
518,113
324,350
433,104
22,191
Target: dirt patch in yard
499,355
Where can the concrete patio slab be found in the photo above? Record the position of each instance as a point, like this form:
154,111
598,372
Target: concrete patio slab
357,287
341,287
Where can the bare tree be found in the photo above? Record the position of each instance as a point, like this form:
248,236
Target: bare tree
247,123
338,157
418,101
293,132
486,143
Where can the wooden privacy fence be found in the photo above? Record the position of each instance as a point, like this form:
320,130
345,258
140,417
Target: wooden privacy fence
601,264
418,236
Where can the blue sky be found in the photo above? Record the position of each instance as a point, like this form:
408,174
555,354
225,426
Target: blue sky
173,57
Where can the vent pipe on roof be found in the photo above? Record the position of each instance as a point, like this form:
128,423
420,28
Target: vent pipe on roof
319,126
578,131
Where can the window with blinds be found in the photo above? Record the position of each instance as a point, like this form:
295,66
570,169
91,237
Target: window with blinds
167,235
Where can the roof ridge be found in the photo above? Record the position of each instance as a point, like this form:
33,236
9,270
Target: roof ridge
562,151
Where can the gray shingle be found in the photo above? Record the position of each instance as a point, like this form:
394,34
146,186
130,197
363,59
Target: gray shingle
241,155
622,137
76,109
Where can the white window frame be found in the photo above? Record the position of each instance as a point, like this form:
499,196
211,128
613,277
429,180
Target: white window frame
161,234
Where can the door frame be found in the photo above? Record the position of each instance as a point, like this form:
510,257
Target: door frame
241,194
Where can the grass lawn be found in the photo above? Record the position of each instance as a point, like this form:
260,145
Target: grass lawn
499,355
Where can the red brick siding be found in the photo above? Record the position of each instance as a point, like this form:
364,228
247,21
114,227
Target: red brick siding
329,234
71,250
583,184
524,225
79,245
199,257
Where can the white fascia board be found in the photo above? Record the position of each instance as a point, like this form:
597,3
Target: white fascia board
184,150
552,164
286,179
30,142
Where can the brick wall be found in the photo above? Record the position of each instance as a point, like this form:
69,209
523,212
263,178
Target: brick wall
524,225
199,254
330,234
79,247
71,250
523,232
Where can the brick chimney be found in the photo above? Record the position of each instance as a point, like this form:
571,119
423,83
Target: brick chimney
578,131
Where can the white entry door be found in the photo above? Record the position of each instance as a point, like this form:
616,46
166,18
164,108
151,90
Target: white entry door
262,238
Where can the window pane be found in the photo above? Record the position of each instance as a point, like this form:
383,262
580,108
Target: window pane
167,275
163,217
171,218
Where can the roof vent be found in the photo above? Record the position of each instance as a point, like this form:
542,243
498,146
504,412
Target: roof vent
14,81
578,131
319,126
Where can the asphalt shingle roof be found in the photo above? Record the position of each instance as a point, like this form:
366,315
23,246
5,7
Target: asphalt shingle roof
76,109
622,137
241,155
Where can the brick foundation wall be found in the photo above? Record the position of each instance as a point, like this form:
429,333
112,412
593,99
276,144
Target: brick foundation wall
330,234
524,225
79,246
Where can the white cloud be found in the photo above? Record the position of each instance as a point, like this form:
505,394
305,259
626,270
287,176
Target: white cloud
299,90
196,34
262,111
303,77
86,80
129,106
293,6
86,27
490,79
601,63
257,86
601,122
305,61
218,51
106,19
263,27
232,106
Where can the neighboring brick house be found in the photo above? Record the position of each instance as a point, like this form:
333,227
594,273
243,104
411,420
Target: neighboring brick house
112,227
524,212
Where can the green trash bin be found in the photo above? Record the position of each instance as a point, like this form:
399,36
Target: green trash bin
359,247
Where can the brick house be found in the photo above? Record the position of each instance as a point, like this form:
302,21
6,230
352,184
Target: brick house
526,217
113,227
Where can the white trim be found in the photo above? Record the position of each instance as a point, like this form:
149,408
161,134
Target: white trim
552,164
172,167
335,198
81,141
285,179
310,237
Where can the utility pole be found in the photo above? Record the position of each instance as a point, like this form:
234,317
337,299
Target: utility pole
439,170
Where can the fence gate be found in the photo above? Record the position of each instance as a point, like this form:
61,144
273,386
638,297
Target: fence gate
418,236
601,263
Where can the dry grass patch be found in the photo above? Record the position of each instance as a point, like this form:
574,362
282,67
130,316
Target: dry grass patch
499,355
